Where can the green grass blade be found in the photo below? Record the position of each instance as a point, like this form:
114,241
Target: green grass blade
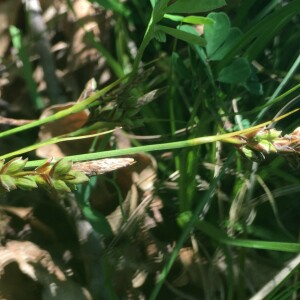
164,146
66,112
188,228
26,67
220,236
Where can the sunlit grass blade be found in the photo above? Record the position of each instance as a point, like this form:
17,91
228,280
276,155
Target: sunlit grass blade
221,237
92,100
227,137
26,67
186,231
54,140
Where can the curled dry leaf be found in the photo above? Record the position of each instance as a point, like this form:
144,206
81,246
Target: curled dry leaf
13,122
8,14
60,127
38,265
141,174
27,255
101,166
85,17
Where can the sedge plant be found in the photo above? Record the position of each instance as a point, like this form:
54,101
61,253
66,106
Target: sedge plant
222,56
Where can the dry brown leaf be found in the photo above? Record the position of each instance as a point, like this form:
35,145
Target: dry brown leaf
38,265
86,20
139,279
26,255
101,166
14,122
59,127
8,14
141,174
20,212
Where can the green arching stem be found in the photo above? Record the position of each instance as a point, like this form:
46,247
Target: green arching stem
157,14
274,100
26,68
216,234
54,140
134,150
66,112
186,231
227,137
285,80
146,40
220,236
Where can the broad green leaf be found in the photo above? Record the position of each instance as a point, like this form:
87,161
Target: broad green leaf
221,237
252,84
188,29
217,33
152,2
160,36
179,67
237,72
194,6
234,35
181,35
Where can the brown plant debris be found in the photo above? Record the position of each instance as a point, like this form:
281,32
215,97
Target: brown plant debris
28,259
101,166
26,254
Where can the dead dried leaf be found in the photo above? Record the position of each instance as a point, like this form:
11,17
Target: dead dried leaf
26,255
87,19
38,265
101,166
8,14
141,174
13,122
59,127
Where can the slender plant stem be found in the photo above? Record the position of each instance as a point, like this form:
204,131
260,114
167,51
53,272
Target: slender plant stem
285,80
157,14
188,228
66,112
227,137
